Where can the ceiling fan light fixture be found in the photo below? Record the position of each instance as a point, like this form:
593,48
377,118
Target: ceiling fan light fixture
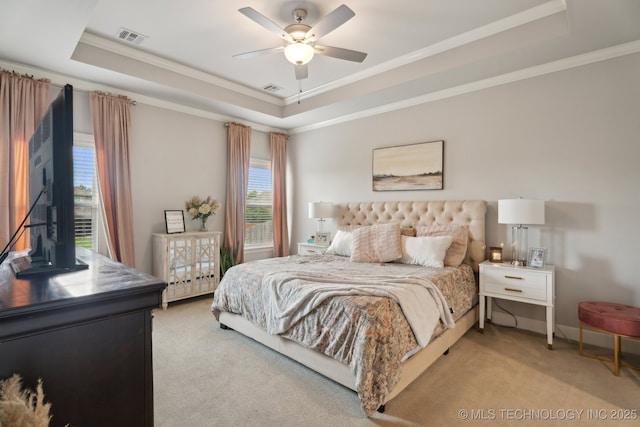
297,31
299,53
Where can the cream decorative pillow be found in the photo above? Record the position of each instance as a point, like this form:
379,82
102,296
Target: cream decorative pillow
458,249
341,244
376,243
425,251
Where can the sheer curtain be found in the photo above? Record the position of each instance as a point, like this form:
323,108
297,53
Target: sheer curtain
111,119
279,173
238,156
23,102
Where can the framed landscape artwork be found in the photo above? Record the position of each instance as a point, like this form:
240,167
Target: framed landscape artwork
409,167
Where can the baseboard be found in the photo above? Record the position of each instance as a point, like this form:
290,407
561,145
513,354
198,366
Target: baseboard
570,333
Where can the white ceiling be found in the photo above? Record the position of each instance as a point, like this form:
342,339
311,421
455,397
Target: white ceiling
417,50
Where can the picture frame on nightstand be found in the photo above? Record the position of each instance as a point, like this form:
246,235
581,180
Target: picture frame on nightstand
537,257
174,221
322,239
495,254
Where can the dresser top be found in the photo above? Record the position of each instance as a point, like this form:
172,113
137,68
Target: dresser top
104,279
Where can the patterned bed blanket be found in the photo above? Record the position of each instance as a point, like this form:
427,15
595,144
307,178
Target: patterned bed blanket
369,333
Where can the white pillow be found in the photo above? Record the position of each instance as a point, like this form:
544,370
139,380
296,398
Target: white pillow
458,249
425,251
341,244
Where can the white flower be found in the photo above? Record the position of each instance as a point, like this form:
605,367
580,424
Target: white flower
204,209
201,209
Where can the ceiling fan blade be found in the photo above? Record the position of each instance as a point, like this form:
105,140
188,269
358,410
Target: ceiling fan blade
340,53
302,72
330,22
260,19
255,53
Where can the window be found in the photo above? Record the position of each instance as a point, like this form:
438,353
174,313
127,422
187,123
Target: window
259,208
86,198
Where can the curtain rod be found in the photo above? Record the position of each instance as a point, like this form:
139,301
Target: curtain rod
133,102
226,124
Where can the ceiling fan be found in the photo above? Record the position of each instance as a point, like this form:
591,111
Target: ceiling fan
300,39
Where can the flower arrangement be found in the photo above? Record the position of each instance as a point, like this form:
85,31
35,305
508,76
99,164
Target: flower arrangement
201,209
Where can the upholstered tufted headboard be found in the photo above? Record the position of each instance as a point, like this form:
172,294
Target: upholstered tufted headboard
411,214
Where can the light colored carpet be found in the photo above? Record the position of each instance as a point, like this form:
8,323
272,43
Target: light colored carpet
206,376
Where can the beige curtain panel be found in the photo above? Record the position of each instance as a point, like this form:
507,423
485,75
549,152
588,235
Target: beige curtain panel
111,120
238,157
279,175
23,102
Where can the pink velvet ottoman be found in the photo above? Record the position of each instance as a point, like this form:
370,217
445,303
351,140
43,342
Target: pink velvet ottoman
611,318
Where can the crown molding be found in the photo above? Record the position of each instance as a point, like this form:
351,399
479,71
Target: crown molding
544,10
153,60
79,85
526,73
539,12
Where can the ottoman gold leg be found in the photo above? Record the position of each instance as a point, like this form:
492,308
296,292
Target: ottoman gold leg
581,339
616,354
600,313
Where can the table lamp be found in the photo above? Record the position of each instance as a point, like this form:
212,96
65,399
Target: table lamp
518,213
320,211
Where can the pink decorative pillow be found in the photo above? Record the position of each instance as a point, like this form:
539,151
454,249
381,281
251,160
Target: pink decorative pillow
458,249
376,243
350,228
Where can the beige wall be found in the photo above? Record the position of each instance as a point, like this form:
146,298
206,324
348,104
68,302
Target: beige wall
571,138
174,156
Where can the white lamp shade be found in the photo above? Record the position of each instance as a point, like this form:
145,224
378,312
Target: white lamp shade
321,210
520,211
299,53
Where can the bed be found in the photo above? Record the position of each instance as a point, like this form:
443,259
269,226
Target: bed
353,316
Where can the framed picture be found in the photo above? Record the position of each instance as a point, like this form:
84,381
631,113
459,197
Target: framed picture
322,239
409,167
174,221
495,254
537,257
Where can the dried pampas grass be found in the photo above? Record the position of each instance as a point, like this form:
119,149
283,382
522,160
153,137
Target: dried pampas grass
22,408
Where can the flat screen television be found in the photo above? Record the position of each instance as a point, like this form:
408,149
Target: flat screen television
50,219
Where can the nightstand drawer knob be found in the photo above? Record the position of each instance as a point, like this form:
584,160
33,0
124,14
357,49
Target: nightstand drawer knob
512,290
513,277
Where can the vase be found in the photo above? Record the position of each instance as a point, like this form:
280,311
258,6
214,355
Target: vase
203,224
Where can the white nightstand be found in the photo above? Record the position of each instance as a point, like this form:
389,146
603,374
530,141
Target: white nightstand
311,249
523,284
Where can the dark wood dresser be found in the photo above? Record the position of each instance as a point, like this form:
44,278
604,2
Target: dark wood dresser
87,334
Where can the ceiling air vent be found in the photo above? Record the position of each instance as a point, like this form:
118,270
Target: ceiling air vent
271,88
131,36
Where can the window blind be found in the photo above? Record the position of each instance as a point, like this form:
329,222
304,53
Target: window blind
85,195
259,205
